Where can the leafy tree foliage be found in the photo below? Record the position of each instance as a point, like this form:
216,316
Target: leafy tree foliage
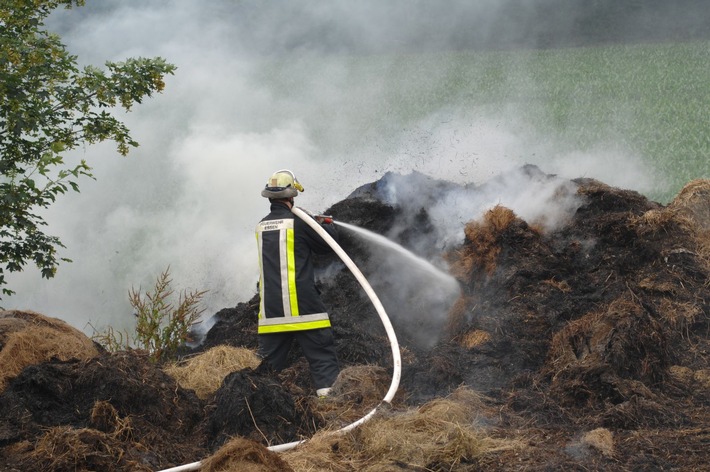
48,106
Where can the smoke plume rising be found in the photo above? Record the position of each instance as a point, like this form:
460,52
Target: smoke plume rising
262,86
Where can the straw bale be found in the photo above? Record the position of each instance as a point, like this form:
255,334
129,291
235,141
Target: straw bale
244,455
29,338
600,439
205,372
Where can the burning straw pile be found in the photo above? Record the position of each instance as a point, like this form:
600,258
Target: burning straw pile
585,346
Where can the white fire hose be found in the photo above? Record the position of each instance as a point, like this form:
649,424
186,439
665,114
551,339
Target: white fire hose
396,357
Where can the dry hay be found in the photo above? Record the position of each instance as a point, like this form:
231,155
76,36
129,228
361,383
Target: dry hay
105,418
29,338
321,453
600,439
481,246
694,379
205,372
475,338
243,455
356,391
693,202
82,450
620,337
438,435
362,384
679,315
608,357
660,220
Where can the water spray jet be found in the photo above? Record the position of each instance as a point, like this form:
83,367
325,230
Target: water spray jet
418,262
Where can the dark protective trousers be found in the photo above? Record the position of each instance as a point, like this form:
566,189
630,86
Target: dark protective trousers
318,346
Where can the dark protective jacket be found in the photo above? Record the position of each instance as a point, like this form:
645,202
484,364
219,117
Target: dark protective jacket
290,300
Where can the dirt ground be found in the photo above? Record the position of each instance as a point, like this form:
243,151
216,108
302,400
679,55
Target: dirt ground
580,344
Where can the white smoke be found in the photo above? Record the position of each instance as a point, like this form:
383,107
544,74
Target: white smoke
254,93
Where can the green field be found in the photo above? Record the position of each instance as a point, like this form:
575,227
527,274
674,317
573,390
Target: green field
652,100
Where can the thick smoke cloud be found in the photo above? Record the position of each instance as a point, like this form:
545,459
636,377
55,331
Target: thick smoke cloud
262,86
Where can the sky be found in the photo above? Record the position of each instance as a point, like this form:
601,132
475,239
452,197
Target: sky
188,198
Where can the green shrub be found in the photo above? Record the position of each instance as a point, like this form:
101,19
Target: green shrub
161,326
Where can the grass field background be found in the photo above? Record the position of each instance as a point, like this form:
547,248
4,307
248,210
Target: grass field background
650,100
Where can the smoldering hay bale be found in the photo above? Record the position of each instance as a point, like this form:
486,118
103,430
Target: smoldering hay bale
243,455
255,405
205,372
28,338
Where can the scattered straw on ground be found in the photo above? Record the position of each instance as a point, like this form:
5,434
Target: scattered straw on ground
67,448
356,391
29,338
105,418
438,434
244,455
204,373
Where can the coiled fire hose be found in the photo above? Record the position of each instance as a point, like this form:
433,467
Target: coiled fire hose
396,356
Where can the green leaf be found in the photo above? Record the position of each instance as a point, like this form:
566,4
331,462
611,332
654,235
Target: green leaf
50,106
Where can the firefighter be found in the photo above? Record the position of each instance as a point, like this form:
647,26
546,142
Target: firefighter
290,305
